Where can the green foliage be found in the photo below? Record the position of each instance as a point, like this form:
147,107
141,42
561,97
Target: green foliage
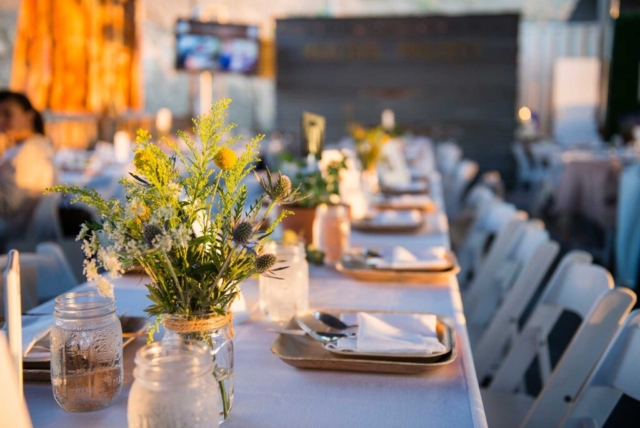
191,273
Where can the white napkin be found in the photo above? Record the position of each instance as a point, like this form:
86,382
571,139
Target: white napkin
414,186
392,334
403,259
34,328
389,217
404,201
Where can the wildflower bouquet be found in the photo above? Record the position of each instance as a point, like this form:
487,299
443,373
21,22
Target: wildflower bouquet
194,234
369,145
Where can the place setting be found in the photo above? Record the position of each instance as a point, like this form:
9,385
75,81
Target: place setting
366,341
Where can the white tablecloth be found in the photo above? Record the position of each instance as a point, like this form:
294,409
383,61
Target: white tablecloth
270,393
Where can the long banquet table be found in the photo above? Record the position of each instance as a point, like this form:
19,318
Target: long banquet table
270,393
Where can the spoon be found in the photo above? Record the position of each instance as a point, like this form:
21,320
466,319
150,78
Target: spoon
331,321
324,337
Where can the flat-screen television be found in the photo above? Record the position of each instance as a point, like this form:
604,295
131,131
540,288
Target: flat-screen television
211,46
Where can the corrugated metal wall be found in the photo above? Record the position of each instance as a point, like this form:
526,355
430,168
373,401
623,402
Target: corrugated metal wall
540,44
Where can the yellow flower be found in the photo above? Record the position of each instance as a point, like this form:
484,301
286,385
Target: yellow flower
225,158
358,133
143,160
289,237
385,138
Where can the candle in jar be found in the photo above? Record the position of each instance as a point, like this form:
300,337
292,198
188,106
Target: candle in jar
164,120
388,120
13,310
122,146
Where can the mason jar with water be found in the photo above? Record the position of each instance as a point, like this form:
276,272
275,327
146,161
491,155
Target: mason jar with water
282,297
86,351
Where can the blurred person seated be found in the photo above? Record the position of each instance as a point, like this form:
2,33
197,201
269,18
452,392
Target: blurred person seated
26,163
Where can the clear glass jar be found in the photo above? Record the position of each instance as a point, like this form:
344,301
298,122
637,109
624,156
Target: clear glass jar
282,298
86,351
217,333
173,387
331,230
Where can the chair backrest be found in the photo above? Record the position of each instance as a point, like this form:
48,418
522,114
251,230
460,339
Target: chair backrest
617,373
517,265
53,275
491,219
580,358
504,325
587,283
448,154
523,166
464,174
627,244
45,224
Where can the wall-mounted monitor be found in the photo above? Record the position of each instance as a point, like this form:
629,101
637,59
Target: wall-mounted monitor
209,46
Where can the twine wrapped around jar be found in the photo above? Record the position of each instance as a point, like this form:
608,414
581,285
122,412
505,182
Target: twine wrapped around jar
188,324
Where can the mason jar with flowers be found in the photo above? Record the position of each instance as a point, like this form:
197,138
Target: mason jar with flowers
195,234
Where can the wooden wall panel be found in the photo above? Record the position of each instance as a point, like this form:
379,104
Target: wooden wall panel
451,75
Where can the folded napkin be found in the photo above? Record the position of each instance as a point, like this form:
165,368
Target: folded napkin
409,200
389,217
392,334
34,328
403,259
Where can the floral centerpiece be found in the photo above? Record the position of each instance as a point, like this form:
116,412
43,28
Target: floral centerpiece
194,233
369,144
320,185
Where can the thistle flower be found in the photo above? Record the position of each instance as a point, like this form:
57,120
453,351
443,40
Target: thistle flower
265,262
225,158
149,233
242,233
280,190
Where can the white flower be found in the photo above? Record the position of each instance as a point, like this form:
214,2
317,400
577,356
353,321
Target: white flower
175,188
162,214
83,232
90,270
109,259
181,236
163,243
90,246
105,288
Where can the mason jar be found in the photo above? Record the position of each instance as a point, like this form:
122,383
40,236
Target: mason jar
86,351
215,331
287,294
332,229
173,386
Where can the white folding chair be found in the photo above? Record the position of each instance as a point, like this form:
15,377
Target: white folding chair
617,373
46,273
464,174
601,309
503,328
492,220
476,201
448,154
524,265
628,230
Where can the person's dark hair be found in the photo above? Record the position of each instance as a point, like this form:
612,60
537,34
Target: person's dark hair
23,101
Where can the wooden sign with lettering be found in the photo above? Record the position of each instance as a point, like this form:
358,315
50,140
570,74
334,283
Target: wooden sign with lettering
450,76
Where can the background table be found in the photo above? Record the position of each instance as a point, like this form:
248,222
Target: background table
270,393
